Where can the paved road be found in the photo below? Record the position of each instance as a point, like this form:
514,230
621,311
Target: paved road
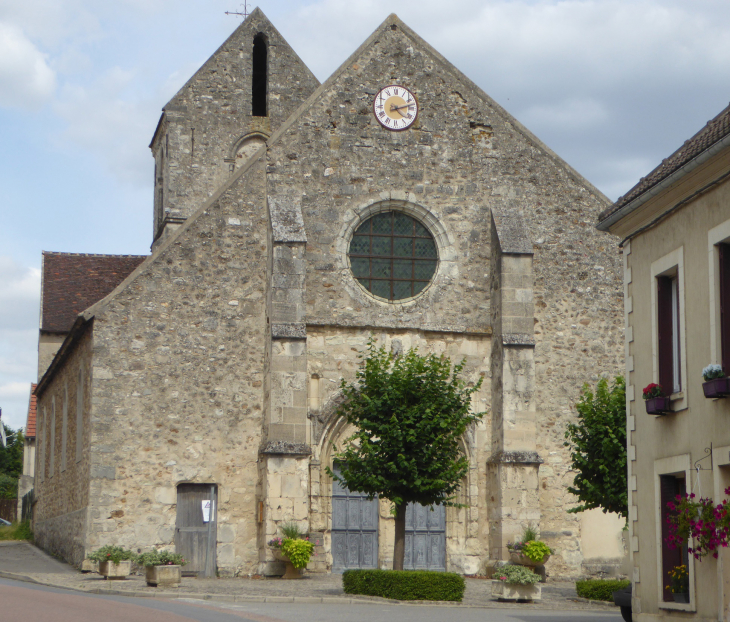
25,602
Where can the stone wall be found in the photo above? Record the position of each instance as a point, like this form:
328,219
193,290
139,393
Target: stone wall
60,518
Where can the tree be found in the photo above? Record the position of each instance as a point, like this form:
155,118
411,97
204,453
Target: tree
410,412
598,443
11,463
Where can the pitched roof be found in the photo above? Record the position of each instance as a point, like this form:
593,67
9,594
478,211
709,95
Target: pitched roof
72,282
716,129
30,423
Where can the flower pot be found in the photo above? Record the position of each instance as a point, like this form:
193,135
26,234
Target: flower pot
519,558
291,572
279,555
717,387
115,571
514,591
658,405
163,576
682,597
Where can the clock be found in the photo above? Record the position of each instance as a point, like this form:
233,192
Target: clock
395,107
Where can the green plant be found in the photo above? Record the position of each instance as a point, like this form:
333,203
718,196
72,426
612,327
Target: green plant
679,580
291,530
712,371
536,550
529,533
600,589
111,553
298,551
519,575
411,412
16,531
598,448
652,390
404,584
160,558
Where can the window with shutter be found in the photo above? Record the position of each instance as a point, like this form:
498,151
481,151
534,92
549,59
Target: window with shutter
724,250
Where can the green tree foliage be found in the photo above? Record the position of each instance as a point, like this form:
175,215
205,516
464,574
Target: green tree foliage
598,448
11,463
410,412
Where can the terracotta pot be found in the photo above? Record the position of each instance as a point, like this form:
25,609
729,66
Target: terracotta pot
717,387
163,576
658,406
115,571
520,559
514,591
291,572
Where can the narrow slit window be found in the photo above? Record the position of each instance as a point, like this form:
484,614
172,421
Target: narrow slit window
259,76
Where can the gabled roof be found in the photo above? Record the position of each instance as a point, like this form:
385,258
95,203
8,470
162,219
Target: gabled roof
30,423
71,282
715,130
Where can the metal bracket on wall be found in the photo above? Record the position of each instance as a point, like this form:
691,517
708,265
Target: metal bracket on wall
708,451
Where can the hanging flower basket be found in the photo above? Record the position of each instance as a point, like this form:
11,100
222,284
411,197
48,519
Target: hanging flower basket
658,405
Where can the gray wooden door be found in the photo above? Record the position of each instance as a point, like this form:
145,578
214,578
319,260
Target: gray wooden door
354,529
425,537
195,538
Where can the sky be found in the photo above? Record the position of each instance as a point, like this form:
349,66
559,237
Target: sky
612,86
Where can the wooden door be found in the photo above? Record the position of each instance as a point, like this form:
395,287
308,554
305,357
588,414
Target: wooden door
425,537
354,529
195,538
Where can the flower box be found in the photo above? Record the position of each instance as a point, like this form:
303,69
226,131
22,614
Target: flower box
717,387
658,405
519,558
163,576
110,570
681,597
515,591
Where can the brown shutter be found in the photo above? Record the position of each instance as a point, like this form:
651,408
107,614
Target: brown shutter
725,305
670,487
664,325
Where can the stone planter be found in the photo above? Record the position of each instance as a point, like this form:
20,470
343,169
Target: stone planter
681,598
291,572
520,559
515,591
163,576
658,406
717,387
115,571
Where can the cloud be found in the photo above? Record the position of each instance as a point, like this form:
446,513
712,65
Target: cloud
26,80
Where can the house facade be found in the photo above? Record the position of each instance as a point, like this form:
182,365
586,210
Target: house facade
675,230
292,221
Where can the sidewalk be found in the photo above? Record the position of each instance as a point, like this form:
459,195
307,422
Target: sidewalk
24,562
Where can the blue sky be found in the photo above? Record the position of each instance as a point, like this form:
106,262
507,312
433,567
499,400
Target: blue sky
613,86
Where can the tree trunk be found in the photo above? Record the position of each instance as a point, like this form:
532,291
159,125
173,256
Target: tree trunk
399,551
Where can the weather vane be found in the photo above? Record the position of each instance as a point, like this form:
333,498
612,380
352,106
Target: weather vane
245,13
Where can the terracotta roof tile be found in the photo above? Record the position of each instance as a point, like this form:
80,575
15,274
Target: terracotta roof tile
30,424
715,130
73,282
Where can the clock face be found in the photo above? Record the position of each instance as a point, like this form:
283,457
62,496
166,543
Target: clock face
395,107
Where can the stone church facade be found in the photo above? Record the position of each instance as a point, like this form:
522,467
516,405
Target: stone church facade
290,225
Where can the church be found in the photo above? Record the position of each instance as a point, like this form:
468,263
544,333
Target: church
195,404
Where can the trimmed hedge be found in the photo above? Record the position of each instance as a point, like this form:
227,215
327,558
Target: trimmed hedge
404,584
600,589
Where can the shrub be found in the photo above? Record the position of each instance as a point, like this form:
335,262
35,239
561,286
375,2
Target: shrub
536,550
160,558
111,553
519,575
404,584
16,531
600,589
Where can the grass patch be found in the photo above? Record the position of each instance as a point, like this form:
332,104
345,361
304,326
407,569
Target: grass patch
404,584
16,531
600,589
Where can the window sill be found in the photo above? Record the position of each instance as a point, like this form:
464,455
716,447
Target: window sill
678,401
678,606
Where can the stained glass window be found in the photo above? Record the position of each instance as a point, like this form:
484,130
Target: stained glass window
393,255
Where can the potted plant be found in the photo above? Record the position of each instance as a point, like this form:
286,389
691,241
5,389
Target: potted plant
294,548
162,568
716,384
679,583
529,551
516,583
656,402
115,562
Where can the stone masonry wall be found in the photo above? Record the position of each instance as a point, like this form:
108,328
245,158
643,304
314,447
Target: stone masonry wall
178,397
463,157
62,486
